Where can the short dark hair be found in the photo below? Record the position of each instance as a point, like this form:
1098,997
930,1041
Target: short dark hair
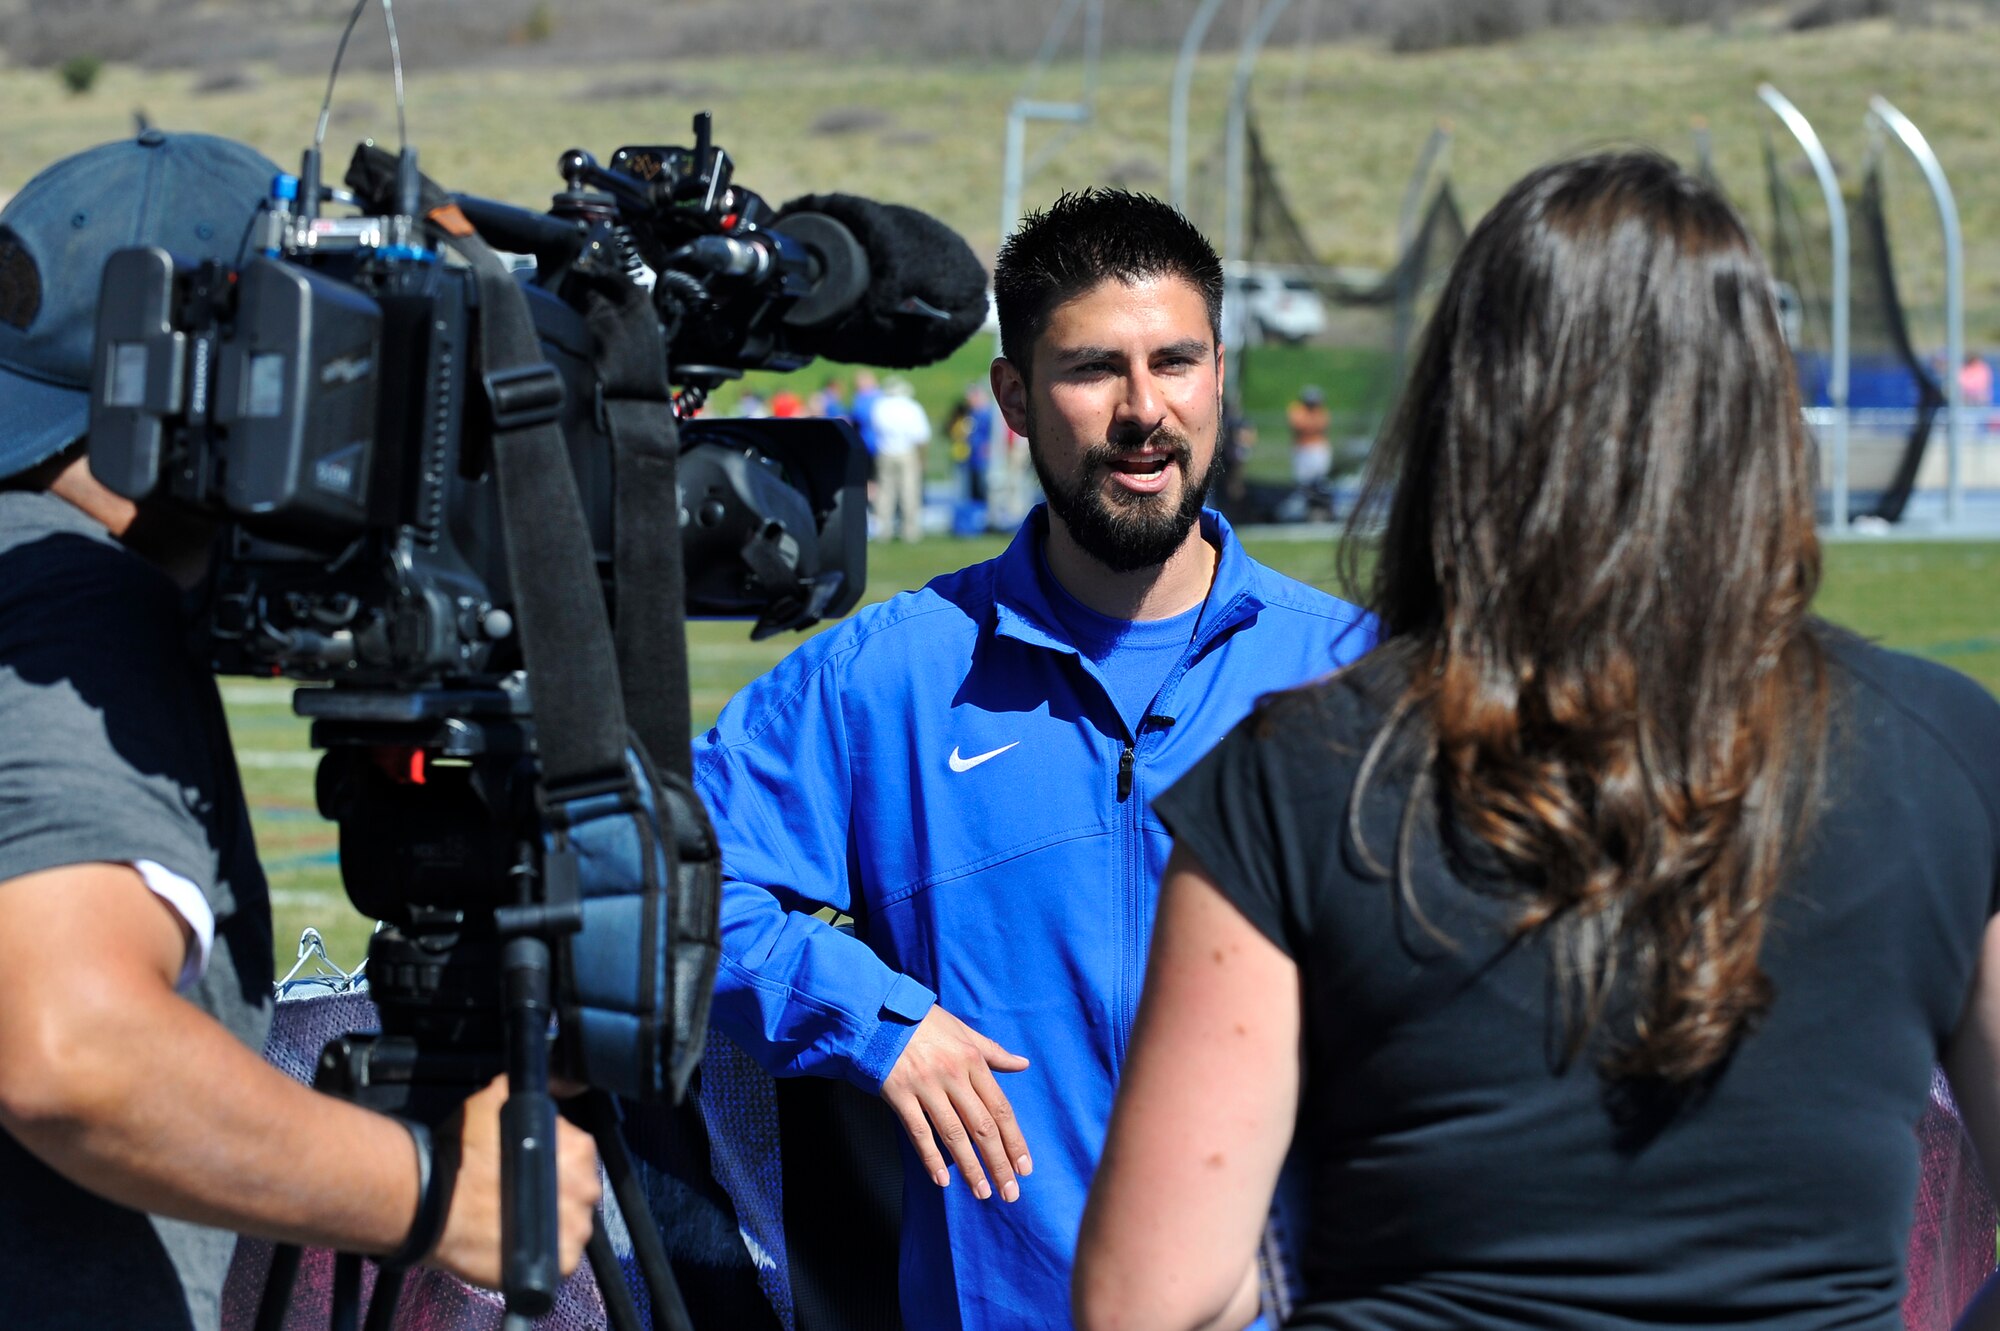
1080,240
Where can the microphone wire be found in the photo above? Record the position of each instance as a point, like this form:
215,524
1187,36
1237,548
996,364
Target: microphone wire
395,64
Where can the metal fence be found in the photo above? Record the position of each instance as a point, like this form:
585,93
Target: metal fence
1965,461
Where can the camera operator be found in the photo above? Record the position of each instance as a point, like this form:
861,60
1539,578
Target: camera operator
138,1125
965,770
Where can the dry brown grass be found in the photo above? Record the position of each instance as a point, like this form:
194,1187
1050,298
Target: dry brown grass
1343,121
192,33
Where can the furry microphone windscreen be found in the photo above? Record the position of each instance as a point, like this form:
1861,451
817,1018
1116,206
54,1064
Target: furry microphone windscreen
927,290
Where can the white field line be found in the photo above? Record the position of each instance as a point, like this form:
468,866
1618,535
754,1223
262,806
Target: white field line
289,896
281,759
257,695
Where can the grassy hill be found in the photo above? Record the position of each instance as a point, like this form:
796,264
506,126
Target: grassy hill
1343,122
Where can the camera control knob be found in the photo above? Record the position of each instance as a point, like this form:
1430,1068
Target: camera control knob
497,624
575,166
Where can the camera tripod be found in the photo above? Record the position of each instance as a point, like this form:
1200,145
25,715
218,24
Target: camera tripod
434,794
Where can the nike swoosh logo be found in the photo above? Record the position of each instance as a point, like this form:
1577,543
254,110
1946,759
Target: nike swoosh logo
959,764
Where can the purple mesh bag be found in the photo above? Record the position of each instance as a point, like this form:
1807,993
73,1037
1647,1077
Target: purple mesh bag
1952,1242
740,1107
432,1300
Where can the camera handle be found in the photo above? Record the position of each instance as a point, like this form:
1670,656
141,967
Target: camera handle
530,1270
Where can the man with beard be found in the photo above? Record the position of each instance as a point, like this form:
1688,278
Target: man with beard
965,770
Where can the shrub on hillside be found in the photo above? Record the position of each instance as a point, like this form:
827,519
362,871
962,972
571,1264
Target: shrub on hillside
79,72
534,30
849,120
1133,173
646,87
1693,11
1826,13
231,79
1432,25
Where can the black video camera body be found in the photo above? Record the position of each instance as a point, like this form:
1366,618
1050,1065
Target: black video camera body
420,463
344,402
324,400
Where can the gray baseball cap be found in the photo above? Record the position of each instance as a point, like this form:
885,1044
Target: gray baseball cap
193,195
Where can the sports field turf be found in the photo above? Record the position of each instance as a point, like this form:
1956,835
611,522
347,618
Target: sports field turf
1938,600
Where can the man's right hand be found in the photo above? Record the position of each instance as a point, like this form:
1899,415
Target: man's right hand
943,1090
470,1245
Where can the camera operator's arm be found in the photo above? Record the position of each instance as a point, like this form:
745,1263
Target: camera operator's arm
801,996
119,1084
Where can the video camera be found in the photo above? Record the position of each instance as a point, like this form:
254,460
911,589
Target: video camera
440,476
321,397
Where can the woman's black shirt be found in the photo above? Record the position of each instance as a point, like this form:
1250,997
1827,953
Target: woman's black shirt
1462,1176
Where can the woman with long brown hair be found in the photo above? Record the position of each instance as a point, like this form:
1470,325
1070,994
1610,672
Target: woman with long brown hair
1594,938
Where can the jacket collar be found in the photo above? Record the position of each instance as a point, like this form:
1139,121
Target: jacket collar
1023,587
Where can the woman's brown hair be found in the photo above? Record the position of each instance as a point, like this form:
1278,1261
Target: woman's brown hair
1594,588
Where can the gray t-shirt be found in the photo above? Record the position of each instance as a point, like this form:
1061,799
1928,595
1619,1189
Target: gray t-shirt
115,749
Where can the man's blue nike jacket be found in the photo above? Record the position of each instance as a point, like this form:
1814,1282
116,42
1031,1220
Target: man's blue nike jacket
948,770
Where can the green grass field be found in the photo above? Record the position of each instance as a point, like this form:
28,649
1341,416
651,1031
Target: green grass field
1938,600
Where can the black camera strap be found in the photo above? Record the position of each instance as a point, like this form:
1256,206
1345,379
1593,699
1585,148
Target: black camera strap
635,407
566,637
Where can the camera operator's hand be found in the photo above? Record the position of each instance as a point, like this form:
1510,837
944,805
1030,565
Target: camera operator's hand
943,1090
470,1245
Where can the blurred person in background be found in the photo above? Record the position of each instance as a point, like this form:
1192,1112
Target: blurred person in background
830,402
1311,428
861,415
1011,487
1975,381
861,408
902,429
973,423
1239,442
1597,935
1975,388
